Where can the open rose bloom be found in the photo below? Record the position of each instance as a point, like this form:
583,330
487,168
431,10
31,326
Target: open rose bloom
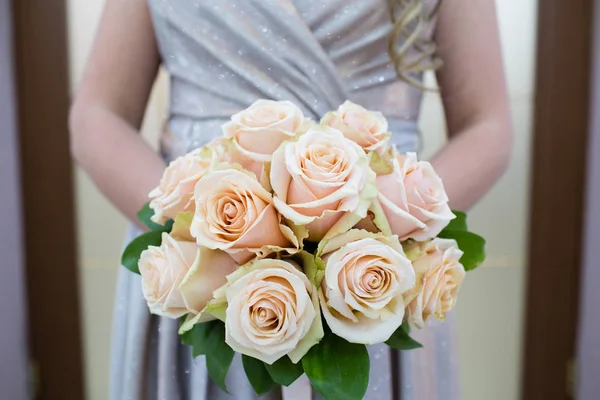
297,244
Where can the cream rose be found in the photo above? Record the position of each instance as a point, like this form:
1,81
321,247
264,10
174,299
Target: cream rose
179,278
366,276
439,277
369,129
322,181
259,130
413,199
272,311
234,213
225,150
176,189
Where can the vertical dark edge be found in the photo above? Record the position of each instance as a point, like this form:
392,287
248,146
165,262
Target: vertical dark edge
396,373
557,196
48,203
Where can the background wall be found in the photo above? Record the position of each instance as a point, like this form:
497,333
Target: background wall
490,307
101,228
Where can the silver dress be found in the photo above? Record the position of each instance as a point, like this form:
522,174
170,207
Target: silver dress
222,56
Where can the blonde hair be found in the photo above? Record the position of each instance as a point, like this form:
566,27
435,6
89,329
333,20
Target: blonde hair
410,18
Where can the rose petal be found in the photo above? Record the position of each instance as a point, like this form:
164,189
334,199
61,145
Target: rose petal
366,278
439,276
281,290
205,276
162,270
364,330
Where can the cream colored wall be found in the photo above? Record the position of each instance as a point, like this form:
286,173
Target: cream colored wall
101,227
489,310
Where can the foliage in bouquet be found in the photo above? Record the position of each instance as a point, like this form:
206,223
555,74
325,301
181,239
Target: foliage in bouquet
297,244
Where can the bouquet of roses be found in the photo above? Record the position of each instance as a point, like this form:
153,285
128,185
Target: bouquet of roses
297,244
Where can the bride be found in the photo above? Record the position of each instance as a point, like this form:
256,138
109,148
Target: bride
223,55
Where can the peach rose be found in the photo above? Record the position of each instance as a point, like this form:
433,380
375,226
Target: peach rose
272,311
366,276
234,213
369,129
259,130
176,189
439,277
413,199
179,278
322,181
225,150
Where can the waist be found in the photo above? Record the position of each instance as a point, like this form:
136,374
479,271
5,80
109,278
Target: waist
184,134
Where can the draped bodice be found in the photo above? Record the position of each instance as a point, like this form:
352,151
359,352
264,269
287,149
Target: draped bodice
223,55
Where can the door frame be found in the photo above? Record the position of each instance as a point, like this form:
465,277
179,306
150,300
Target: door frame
557,203
41,69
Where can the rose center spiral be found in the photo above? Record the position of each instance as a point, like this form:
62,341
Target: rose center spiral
264,318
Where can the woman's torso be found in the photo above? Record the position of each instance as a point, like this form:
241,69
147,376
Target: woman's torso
223,55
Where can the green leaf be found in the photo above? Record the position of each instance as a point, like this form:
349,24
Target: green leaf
337,369
258,375
471,244
199,334
401,340
131,255
188,336
203,335
209,339
459,223
144,216
284,371
218,365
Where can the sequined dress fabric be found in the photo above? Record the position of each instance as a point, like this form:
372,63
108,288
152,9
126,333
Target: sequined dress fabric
221,56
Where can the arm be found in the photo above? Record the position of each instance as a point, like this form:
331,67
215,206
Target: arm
476,104
109,107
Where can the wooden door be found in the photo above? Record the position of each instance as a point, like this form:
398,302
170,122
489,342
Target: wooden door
561,133
47,198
